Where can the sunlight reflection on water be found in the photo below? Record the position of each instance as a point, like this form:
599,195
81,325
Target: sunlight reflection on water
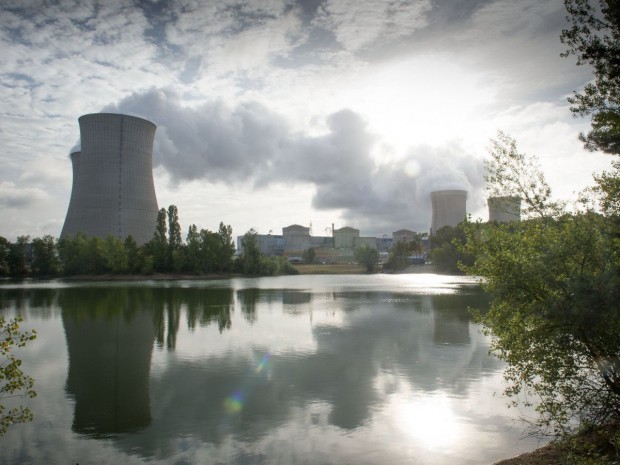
303,369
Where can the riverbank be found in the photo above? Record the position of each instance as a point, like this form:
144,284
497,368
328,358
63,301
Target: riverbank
597,446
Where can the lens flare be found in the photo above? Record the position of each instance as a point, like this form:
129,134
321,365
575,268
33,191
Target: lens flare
234,402
263,363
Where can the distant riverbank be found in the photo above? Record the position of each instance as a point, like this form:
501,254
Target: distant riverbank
304,269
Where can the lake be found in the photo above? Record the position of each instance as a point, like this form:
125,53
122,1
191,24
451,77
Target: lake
324,369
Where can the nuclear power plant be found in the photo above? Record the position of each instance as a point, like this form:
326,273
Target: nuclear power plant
449,208
504,209
113,192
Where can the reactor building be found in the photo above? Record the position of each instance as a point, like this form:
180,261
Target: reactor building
449,208
504,209
113,193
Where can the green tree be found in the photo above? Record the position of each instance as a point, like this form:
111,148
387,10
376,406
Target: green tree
227,250
593,37
554,317
309,255
398,258
73,254
251,256
159,244
17,257
367,256
446,249
13,381
94,256
193,259
135,255
5,247
45,260
175,242
114,255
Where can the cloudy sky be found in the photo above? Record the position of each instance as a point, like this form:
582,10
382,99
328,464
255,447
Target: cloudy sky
276,112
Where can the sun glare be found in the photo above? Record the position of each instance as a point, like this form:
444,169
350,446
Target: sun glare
426,100
430,421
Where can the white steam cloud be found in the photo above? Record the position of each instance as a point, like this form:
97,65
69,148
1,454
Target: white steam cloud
248,142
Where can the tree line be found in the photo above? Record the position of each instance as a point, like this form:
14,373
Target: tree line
203,252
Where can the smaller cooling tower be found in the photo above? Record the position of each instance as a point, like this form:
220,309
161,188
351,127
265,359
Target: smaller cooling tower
449,208
504,209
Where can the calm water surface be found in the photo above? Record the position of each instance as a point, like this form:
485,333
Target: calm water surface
300,369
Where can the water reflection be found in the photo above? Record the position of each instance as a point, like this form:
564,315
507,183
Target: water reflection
109,344
150,366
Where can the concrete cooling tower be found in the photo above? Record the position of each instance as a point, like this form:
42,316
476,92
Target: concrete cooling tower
504,209
113,191
449,208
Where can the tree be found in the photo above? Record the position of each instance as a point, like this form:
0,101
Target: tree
114,255
593,37
174,239
17,256
135,256
309,255
398,258
446,249
159,243
250,258
5,247
367,256
13,381
226,252
509,173
554,317
45,261
193,260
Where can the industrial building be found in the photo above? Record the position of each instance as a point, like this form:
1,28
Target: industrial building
504,209
449,208
113,193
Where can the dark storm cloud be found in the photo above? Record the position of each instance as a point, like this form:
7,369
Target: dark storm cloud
248,142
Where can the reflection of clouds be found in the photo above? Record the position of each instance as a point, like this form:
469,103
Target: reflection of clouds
383,333
337,374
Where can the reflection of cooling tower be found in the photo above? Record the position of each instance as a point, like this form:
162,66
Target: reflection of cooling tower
109,367
504,209
449,208
113,191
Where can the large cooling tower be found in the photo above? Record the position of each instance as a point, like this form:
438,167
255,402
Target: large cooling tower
113,191
504,209
449,208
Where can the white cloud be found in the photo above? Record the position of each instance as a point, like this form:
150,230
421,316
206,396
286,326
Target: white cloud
359,23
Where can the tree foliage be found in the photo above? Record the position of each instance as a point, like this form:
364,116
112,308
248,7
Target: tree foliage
17,257
555,314
45,261
509,173
447,253
594,38
251,256
309,255
13,381
367,257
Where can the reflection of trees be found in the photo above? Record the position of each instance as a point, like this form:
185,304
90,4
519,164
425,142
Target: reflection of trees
248,300
202,306
36,302
206,306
